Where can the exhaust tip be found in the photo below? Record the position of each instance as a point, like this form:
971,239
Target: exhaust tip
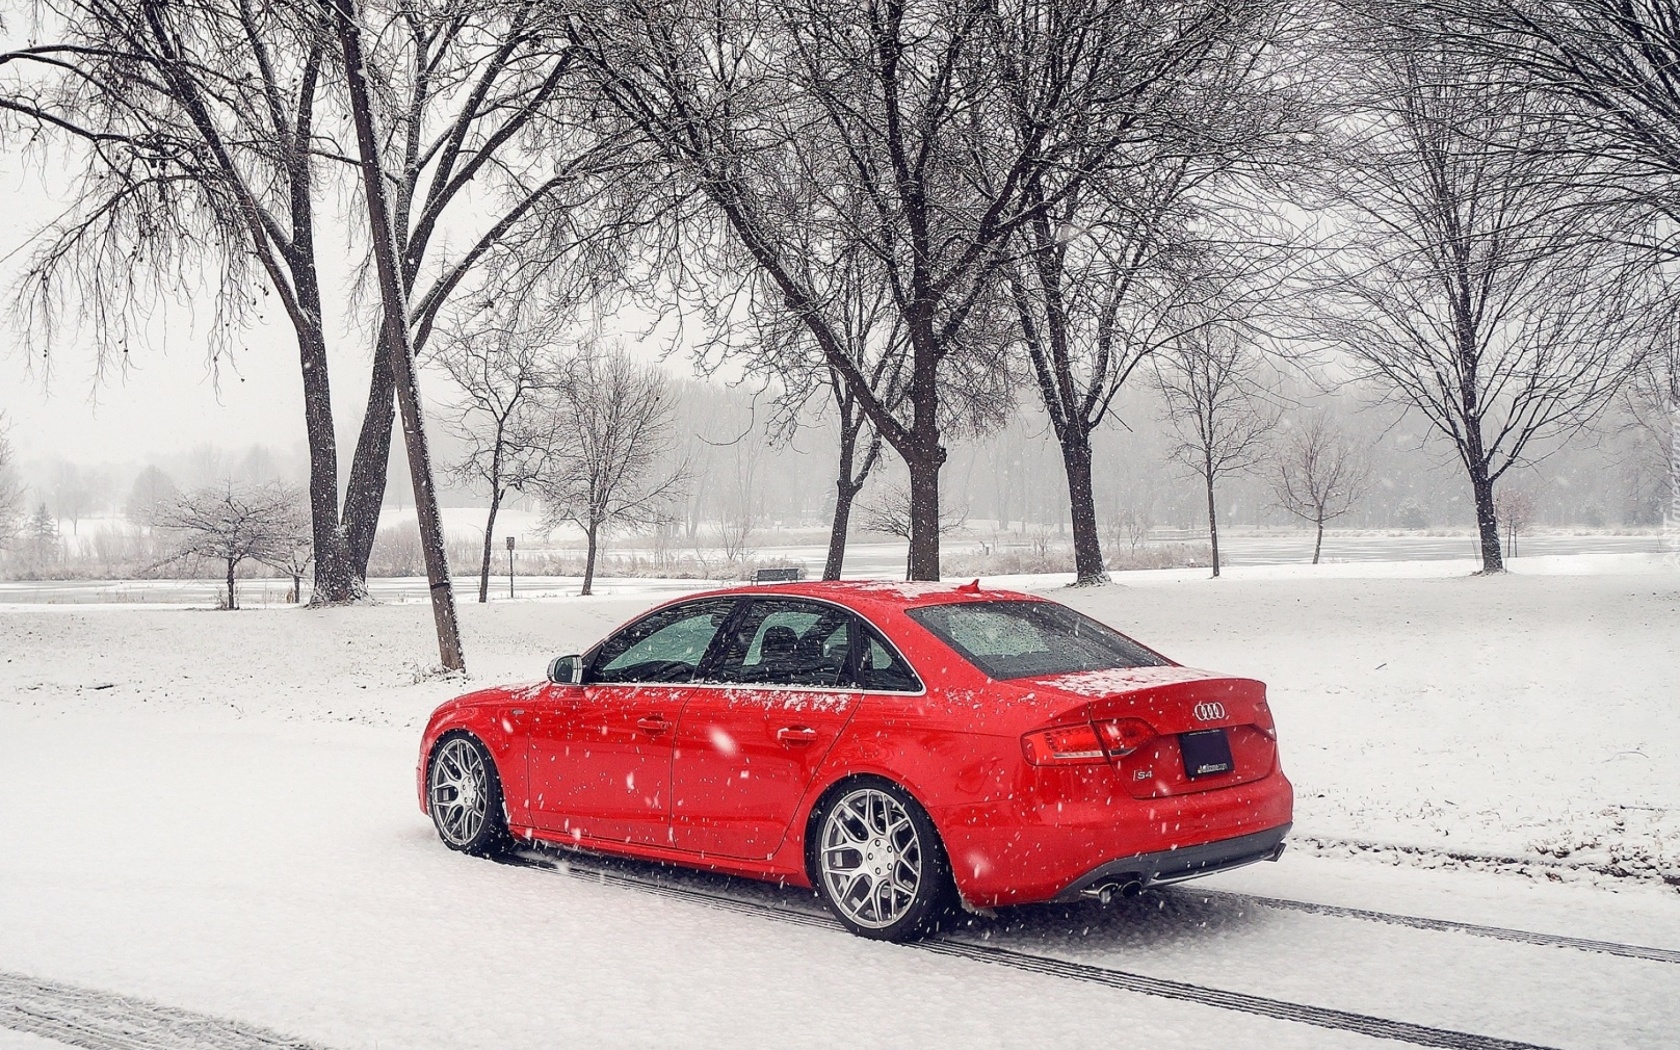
1278,851
1108,892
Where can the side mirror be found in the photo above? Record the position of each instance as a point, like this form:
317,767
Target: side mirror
566,670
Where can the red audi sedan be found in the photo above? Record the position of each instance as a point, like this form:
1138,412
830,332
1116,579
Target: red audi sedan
901,748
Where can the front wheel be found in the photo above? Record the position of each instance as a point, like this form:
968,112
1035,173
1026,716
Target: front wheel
464,795
879,864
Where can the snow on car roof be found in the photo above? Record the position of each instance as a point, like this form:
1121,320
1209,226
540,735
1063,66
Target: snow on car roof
898,593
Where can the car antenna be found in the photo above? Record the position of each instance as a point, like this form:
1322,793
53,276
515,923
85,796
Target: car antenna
972,587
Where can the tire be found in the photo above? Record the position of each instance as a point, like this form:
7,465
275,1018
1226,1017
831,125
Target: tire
877,862
464,796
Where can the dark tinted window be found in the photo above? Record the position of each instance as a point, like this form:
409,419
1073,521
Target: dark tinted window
880,668
787,642
665,646
1024,639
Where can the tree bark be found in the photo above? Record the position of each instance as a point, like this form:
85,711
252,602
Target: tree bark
364,495
1082,506
924,516
1487,521
230,564
397,345
845,493
335,580
1213,522
1318,544
489,536
589,561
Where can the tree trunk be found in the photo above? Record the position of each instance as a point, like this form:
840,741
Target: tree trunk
1318,544
489,537
1487,522
297,589
364,494
843,497
1082,506
924,516
230,564
398,346
589,561
335,580
1213,522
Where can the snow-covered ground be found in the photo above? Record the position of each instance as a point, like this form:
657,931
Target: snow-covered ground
215,812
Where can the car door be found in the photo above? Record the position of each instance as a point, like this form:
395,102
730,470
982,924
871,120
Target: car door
599,756
778,693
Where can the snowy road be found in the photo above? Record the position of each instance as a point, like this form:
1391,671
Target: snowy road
284,878
211,816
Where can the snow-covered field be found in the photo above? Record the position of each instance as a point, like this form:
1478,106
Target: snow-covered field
215,812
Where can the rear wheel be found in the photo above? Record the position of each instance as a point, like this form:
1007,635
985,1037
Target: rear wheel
879,864
464,796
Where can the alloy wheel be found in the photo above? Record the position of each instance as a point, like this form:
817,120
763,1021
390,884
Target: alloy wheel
871,858
459,791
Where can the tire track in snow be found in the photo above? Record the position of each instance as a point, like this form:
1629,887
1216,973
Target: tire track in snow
1418,922
1280,1009
97,1020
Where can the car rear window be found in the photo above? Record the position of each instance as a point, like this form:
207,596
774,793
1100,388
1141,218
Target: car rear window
1013,639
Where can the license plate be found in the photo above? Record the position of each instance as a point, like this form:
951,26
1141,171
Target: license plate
1206,753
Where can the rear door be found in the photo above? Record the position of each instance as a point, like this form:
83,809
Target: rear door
600,755
752,737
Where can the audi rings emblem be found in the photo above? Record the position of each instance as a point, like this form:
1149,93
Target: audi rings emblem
1210,712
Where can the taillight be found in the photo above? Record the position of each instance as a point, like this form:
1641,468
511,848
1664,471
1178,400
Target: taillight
1122,736
1067,744
1112,738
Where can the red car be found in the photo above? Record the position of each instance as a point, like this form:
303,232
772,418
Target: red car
893,745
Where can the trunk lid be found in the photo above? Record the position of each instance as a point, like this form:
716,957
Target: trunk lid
1188,711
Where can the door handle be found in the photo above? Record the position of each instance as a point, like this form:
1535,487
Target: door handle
796,736
652,724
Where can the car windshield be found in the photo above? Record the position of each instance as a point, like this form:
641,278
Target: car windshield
1022,639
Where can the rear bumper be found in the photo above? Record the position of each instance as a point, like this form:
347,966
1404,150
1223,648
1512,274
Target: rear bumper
1148,869
1038,846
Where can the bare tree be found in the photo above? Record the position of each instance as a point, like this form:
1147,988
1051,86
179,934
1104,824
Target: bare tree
742,505
202,131
196,125
1471,282
612,438
233,525
502,364
399,349
872,338
1516,510
1606,65
295,554
71,494
152,492
1218,411
510,176
878,124
1320,475
1118,264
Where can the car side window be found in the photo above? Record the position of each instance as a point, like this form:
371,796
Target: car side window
787,642
666,646
881,669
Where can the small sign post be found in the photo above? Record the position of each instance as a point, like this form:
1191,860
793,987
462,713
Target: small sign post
510,566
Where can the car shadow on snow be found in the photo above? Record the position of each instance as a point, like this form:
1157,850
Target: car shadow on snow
1166,916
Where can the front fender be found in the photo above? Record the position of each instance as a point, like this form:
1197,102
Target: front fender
496,727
